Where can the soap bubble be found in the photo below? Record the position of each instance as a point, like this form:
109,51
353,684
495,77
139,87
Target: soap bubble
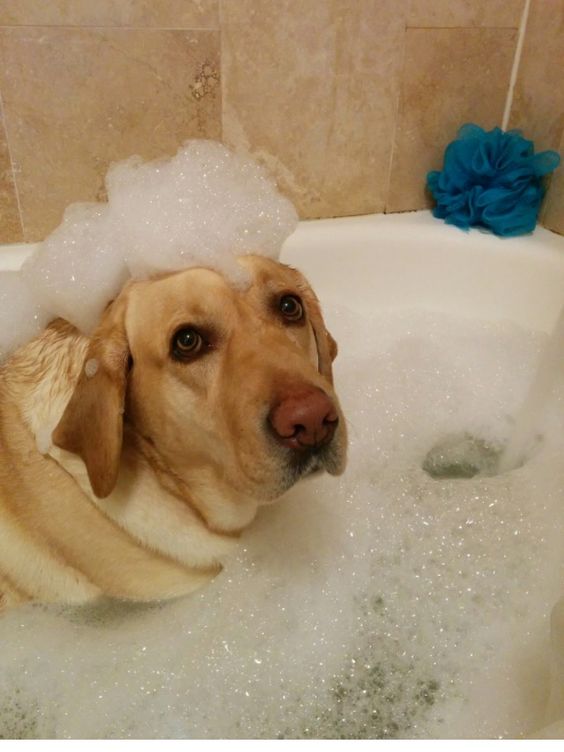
80,267
203,207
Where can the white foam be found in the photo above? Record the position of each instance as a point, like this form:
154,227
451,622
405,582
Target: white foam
203,207
80,267
548,375
207,205
21,314
380,604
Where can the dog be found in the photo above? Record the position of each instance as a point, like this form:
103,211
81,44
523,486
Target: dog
133,459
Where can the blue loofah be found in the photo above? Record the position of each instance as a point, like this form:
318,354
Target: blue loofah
491,179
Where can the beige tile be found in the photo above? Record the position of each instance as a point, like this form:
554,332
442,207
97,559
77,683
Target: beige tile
10,224
465,13
311,91
174,14
76,100
553,210
450,77
538,99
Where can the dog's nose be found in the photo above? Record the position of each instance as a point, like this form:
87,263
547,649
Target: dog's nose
304,420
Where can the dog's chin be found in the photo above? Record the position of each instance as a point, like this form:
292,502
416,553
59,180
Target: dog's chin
297,466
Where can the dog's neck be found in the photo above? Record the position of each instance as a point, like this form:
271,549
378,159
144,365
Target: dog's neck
219,509
154,511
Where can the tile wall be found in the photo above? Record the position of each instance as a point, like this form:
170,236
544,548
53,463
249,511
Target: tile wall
348,102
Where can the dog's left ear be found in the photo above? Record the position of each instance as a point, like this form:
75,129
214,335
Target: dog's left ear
92,424
326,345
333,347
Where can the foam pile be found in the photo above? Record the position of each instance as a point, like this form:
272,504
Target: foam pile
384,603
203,207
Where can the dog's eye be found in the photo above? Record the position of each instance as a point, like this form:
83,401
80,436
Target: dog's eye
291,307
187,343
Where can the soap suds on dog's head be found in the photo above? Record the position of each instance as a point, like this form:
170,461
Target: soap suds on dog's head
203,207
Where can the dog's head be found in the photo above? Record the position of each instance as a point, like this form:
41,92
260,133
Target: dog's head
237,383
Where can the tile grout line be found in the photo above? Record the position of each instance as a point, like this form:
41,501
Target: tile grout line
214,28
516,62
221,76
396,119
106,27
465,28
14,181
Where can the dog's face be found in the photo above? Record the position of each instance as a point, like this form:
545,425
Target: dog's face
225,383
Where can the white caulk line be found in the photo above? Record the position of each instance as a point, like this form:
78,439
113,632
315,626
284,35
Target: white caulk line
516,62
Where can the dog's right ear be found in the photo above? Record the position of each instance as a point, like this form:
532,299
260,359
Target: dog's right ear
326,345
92,424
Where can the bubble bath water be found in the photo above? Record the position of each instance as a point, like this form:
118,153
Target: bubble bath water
386,603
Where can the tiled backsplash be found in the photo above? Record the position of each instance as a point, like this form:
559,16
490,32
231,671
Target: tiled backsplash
348,102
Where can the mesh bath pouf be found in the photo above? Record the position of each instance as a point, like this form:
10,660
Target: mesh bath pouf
491,179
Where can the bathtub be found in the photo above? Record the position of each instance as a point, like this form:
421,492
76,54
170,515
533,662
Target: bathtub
411,262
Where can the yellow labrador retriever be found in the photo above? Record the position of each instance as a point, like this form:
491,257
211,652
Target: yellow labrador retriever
131,460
